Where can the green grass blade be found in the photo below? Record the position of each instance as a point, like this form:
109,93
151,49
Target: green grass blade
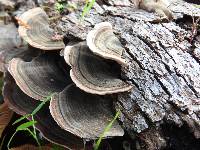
87,8
22,118
8,145
2,142
27,129
25,125
34,129
84,9
41,104
97,144
91,5
34,136
198,6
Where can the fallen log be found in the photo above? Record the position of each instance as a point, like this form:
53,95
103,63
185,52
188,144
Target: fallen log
163,60
163,66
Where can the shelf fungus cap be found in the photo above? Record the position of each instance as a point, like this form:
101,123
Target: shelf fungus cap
34,28
92,73
103,42
23,104
83,114
40,77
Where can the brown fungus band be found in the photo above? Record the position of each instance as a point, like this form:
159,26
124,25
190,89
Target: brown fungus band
103,42
34,29
23,104
83,114
92,73
41,77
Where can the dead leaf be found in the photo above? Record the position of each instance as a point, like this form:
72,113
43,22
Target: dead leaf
5,116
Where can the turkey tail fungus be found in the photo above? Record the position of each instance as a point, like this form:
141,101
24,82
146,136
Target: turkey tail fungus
38,33
23,104
103,42
91,73
40,77
47,72
82,113
118,59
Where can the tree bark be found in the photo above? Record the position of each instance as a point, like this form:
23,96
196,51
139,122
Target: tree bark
163,66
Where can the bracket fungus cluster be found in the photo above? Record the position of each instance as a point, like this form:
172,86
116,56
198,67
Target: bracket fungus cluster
22,104
80,108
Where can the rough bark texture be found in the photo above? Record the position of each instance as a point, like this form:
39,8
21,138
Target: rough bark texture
164,66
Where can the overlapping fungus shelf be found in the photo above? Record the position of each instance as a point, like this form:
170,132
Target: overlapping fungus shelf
23,104
83,114
91,73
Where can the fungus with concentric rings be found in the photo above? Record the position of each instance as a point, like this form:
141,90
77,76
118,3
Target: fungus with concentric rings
103,42
34,28
92,73
23,104
41,76
83,114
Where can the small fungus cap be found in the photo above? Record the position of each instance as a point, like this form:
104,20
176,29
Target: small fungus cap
34,28
103,42
41,76
92,73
